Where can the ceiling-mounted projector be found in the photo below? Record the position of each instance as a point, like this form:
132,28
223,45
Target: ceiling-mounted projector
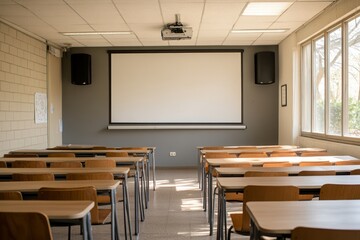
176,31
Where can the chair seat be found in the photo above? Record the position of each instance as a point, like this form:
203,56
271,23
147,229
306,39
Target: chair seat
237,220
103,215
306,197
238,197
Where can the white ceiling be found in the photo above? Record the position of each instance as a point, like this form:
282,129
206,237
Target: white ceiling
211,20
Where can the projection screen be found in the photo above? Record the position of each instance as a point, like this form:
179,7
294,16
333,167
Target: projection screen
179,87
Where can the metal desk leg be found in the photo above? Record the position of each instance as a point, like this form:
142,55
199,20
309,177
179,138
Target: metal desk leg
153,168
143,198
147,181
210,188
114,228
199,168
204,189
137,198
221,214
86,224
127,221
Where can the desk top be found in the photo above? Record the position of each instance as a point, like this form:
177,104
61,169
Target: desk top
302,182
90,147
63,171
279,147
53,209
78,151
34,186
267,150
130,160
282,217
215,162
339,169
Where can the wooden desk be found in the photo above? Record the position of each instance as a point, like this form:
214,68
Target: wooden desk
216,162
100,185
85,151
305,184
55,210
280,218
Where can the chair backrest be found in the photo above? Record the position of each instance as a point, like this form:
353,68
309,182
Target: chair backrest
102,163
348,162
134,148
25,226
99,148
32,155
317,173
266,193
355,172
3,164
265,174
10,195
61,154
340,192
283,154
28,164
81,193
33,177
314,153
307,233
90,176
117,154
253,154
66,164
236,165
323,163
277,164
219,155
213,148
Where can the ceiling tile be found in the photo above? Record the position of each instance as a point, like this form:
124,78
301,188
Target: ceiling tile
302,11
146,12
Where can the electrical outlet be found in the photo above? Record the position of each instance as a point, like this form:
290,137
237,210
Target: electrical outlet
172,154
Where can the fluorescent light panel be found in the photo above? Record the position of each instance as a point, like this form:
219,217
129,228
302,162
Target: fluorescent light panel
265,8
259,30
94,33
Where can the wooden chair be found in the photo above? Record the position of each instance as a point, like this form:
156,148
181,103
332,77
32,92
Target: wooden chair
117,154
283,154
28,155
100,163
322,163
277,164
317,173
98,216
66,164
253,155
3,164
355,172
25,226
265,174
340,192
307,233
61,154
314,153
103,199
33,177
10,195
348,162
28,164
241,221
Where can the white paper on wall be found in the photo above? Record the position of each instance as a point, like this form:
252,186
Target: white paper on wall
40,108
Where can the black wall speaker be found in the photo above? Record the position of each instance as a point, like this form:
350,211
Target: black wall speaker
264,67
80,69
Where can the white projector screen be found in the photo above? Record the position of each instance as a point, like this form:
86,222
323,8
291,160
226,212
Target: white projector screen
176,87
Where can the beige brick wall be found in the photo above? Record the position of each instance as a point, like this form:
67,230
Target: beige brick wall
22,74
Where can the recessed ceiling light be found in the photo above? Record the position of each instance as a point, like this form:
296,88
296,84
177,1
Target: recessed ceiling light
94,33
259,30
265,8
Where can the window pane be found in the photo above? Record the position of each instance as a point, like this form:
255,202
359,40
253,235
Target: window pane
319,86
353,118
335,82
306,88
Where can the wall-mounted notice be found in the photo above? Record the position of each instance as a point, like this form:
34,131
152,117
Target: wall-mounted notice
40,108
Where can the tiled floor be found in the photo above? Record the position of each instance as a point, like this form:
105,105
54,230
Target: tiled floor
174,211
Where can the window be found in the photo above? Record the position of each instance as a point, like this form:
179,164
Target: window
330,83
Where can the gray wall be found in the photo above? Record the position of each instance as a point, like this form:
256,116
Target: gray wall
86,114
